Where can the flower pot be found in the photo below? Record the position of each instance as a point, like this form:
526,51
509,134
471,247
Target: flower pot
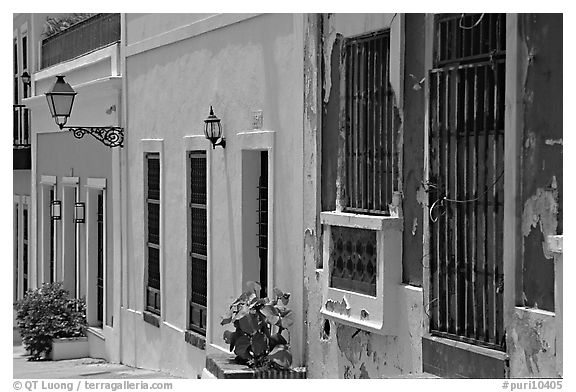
69,348
224,366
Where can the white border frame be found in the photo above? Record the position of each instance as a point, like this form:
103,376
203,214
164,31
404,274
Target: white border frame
262,141
97,184
153,146
199,143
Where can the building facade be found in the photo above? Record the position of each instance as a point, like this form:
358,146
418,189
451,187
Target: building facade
72,173
400,175
444,108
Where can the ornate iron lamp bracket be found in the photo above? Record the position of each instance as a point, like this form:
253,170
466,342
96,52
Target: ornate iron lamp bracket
109,136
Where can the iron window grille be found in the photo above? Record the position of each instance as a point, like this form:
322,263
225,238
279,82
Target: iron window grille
153,232
466,190
263,223
371,161
198,241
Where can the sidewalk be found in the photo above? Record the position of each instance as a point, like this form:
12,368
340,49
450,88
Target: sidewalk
77,368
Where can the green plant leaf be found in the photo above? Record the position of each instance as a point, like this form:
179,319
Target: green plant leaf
277,339
227,318
281,356
287,320
242,311
253,287
277,292
259,343
249,324
230,338
243,347
270,313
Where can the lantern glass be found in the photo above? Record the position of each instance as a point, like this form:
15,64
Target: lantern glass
79,209
60,100
56,210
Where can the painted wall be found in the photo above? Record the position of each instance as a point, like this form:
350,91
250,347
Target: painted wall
255,64
542,184
534,333
336,350
21,182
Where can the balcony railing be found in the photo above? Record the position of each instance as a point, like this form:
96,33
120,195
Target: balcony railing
93,33
21,136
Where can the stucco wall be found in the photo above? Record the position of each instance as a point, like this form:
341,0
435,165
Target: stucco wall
251,65
336,350
21,182
542,184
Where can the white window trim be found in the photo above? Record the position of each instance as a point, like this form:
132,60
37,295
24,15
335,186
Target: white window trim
70,182
260,141
18,242
200,143
47,181
153,146
97,184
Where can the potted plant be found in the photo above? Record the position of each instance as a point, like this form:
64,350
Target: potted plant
52,324
260,339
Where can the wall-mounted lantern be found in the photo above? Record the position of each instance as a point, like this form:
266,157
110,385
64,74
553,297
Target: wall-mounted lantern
25,77
79,211
213,130
55,210
60,100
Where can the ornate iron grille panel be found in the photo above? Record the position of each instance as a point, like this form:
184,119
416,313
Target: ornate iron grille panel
153,220
353,261
100,273
466,179
198,242
371,158
263,222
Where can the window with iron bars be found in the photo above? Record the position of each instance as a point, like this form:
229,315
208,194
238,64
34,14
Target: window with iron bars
466,184
371,161
198,243
153,225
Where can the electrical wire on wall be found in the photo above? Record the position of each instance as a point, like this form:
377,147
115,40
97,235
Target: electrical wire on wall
440,201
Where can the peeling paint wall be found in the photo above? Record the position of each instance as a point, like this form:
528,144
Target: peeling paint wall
541,171
413,149
336,350
533,349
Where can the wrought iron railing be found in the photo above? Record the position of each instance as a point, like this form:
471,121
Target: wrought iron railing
83,37
21,137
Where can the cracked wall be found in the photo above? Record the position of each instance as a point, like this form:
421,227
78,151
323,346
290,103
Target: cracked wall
532,330
336,350
541,169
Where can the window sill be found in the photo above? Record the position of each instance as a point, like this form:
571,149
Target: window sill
359,221
151,318
195,339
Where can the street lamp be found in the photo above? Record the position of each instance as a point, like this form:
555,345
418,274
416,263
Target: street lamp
213,130
25,77
60,101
